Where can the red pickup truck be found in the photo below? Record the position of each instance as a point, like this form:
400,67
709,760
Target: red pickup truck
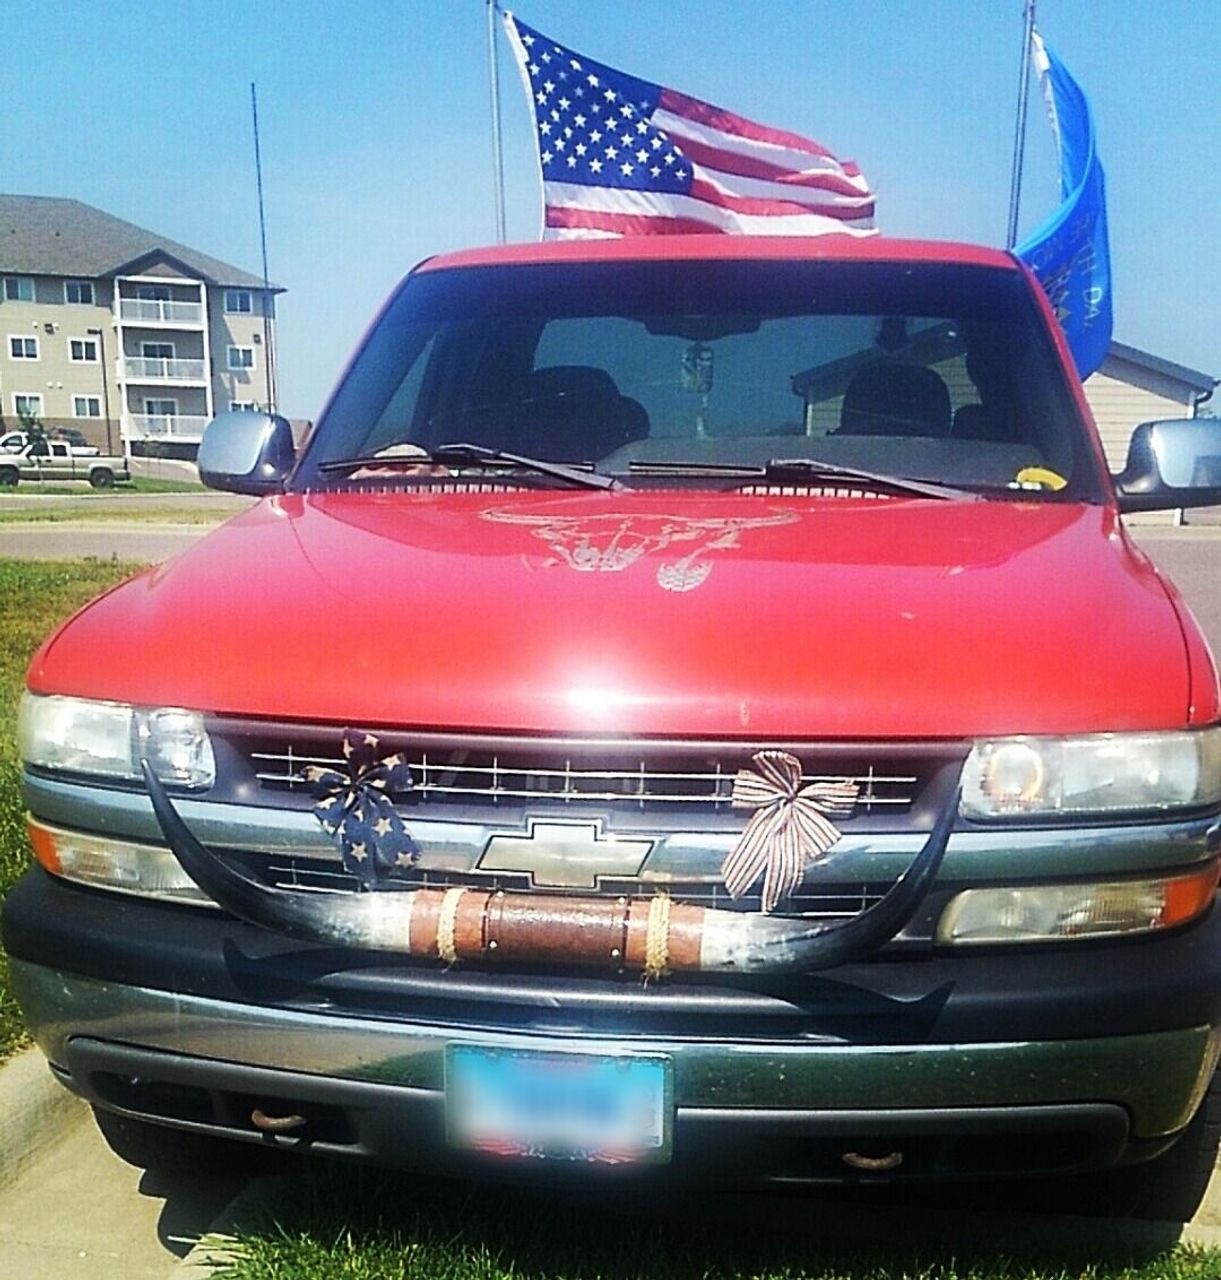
690,704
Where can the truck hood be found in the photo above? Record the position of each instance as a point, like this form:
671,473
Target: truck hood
672,614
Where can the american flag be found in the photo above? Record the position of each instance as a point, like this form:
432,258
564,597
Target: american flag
623,157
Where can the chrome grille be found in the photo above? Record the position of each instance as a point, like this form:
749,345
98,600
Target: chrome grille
466,776
674,794
326,875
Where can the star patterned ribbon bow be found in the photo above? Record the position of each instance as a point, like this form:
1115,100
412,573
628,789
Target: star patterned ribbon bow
790,825
354,808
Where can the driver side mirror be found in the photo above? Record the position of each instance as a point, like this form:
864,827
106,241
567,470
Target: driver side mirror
1172,463
245,452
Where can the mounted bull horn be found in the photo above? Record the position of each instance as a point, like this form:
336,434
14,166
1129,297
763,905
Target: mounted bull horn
654,935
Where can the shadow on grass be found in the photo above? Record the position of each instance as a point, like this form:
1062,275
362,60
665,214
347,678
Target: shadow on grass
191,1202
338,1222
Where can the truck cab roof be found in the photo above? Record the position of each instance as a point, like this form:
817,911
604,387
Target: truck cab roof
729,248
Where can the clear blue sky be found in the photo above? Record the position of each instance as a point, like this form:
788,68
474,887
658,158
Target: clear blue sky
377,152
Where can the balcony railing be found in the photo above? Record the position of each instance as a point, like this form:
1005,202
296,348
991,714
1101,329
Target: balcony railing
149,311
169,426
160,369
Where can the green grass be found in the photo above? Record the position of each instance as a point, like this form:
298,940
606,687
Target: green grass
137,484
146,484
339,1224
110,512
34,597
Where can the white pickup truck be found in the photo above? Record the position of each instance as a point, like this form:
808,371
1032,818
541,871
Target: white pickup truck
54,460
16,441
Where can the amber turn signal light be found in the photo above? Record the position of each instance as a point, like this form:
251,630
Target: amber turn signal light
1188,896
43,843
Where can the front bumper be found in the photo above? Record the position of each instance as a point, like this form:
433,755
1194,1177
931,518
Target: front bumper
968,1066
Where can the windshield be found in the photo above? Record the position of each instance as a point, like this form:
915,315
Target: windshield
935,372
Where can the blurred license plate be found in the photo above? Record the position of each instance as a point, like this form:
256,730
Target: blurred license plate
564,1106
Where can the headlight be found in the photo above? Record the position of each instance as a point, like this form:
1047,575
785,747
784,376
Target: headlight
108,739
1096,774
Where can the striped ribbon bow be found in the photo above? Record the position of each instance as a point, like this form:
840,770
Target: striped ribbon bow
789,828
354,808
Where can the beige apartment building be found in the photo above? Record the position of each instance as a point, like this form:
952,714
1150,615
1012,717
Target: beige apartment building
133,339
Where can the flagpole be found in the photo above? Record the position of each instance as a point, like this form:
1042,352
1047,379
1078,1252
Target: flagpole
1019,134
498,171
268,354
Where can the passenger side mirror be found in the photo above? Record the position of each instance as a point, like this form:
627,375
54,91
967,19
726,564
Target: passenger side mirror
244,452
1172,463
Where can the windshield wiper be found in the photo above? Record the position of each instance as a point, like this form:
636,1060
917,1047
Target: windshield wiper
807,469
464,451
813,469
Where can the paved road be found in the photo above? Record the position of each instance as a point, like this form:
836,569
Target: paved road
142,543
89,502
1191,558
90,524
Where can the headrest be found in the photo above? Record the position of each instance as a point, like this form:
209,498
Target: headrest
891,399
572,413
582,381
973,422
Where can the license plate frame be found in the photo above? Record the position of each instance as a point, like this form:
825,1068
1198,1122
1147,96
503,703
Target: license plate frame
646,1082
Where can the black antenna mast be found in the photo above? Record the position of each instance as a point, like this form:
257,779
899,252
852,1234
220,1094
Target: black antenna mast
268,352
1019,131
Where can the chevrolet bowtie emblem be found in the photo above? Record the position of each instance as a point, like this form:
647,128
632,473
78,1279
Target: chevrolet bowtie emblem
564,855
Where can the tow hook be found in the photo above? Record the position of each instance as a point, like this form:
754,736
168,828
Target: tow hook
276,1124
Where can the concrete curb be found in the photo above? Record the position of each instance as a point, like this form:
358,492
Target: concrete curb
35,1110
1208,1237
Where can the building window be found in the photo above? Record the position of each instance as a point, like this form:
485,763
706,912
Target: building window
86,407
153,292
157,350
241,357
161,408
27,405
82,351
79,292
244,406
238,302
18,289
22,348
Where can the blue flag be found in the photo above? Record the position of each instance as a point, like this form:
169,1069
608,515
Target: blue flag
1069,253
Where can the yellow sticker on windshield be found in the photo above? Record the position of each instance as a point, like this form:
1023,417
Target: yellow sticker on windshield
1039,478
